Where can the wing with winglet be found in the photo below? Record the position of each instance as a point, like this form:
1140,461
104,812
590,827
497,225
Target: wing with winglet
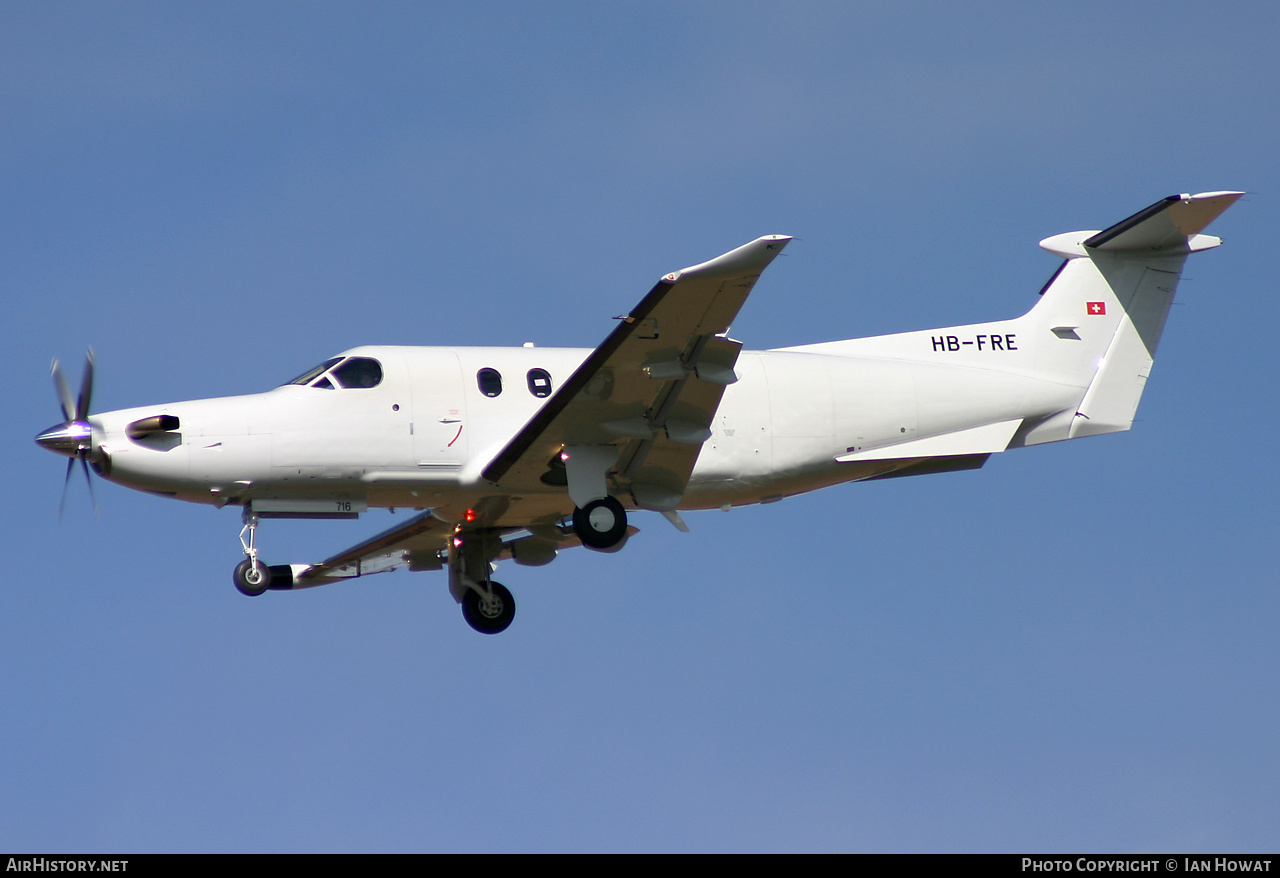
647,395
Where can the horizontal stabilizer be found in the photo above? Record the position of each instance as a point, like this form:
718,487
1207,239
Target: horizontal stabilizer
1165,225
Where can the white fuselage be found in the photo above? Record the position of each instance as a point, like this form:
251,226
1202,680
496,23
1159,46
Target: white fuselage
421,437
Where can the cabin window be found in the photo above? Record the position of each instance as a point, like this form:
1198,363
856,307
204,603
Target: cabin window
540,383
359,372
490,381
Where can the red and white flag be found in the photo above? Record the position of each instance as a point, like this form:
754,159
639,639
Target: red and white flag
1096,307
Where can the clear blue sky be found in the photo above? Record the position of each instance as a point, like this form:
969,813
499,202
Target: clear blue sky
1072,649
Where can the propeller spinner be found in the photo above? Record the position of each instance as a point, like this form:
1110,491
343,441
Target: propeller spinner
73,438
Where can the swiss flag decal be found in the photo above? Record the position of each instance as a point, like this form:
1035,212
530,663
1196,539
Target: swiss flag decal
1096,307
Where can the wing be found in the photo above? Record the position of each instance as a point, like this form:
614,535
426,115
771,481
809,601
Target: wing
416,544
650,390
421,543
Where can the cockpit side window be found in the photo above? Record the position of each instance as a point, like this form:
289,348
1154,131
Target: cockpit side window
359,372
310,375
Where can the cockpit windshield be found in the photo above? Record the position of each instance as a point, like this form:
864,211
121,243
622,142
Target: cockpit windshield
308,376
354,372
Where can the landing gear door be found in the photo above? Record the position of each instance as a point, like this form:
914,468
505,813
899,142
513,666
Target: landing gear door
439,410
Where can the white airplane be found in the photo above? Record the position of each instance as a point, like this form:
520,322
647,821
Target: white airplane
516,453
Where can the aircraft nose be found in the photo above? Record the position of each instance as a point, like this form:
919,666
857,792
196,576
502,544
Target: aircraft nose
66,438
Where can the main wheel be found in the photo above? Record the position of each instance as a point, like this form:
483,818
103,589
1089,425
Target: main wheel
601,524
491,613
251,579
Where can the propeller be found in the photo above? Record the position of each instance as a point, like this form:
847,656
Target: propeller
74,436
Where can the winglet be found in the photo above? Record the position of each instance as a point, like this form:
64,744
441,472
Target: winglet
755,255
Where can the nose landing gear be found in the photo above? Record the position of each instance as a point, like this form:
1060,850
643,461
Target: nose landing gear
251,576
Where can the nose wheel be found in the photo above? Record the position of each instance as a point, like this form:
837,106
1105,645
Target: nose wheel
491,612
252,578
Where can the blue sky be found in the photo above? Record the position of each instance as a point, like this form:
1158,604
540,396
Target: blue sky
1072,649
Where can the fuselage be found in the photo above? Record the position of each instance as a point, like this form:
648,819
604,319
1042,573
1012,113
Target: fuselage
421,435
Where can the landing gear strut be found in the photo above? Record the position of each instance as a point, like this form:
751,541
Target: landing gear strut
251,576
486,605
601,524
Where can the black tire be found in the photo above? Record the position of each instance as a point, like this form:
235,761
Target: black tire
601,524
251,582
493,616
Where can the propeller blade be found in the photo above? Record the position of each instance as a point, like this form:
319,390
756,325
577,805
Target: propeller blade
84,465
86,387
64,392
74,436
71,461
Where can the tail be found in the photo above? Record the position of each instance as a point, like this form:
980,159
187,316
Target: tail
1102,313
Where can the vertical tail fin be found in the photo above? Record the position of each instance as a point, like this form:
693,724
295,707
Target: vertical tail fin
1107,306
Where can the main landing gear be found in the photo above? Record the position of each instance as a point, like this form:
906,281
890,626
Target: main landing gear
491,612
599,520
486,605
601,524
